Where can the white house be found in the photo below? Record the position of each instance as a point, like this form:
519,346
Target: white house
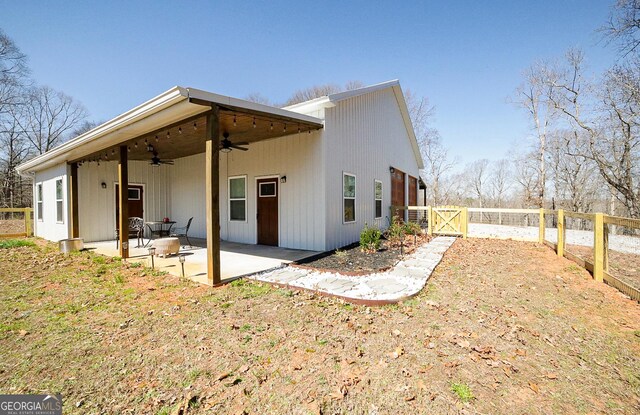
312,174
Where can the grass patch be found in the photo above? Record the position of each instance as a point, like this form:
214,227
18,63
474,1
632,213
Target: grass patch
15,243
462,391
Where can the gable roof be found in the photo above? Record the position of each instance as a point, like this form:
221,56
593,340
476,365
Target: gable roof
331,100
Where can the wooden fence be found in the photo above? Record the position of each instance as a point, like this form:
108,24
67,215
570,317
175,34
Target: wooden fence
454,220
27,218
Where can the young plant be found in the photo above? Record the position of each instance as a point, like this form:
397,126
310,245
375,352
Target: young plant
370,239
395,231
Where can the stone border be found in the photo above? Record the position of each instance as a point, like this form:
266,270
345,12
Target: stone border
406,279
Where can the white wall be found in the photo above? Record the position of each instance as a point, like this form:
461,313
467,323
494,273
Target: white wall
96,206
301,211
364,135
49,228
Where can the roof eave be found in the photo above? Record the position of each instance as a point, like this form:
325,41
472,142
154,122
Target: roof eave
144,110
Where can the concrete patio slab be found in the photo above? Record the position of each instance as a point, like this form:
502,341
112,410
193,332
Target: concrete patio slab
236,259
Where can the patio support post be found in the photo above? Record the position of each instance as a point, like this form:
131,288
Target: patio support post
212,177
123,201
73,198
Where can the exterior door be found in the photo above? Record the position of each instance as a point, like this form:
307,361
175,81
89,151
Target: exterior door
413,198
136,207
267,216
397,190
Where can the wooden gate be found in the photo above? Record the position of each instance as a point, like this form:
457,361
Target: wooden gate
449,220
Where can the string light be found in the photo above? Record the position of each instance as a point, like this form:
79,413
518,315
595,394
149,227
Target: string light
254,122
179,130
298,129
285,128
271,125
113,151
145,142
129,149
168,134
234,120
195,125
157,138
135,144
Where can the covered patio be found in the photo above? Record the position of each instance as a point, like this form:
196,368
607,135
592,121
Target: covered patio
145,141
236,259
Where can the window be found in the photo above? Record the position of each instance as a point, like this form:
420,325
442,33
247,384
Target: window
238,199
134,193
267,189
349,197
59,218
378,198
39,207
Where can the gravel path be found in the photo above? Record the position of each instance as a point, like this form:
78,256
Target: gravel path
620,243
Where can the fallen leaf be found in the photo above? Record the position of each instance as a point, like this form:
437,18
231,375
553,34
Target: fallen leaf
223,375
534,387
552,376
521,352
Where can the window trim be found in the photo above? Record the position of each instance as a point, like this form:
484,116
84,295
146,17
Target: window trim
229,199
375,198
39,201
61,200
275,194
355,196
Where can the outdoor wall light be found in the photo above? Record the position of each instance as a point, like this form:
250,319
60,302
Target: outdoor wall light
152,252
182,258
392,170
103,185
283,179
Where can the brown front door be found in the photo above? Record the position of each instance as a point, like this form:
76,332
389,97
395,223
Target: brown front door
136,208
267,216
397,190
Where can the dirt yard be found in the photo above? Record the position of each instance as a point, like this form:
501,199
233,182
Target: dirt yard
12,226
503,328
622,265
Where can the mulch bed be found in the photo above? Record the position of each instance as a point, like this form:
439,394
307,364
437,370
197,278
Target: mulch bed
354,261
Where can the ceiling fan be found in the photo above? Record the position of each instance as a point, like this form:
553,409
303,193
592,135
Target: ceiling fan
155,160
226,145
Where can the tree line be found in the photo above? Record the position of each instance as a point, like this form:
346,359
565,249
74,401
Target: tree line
33,119
586,151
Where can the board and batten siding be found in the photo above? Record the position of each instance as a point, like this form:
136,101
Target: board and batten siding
301,199
97,206
49,228
364,135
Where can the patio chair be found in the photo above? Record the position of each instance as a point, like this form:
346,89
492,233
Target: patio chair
136,229
182,231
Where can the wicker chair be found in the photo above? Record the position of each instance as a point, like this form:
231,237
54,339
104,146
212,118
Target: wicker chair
136,229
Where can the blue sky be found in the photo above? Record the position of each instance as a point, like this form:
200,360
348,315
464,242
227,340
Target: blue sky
465,56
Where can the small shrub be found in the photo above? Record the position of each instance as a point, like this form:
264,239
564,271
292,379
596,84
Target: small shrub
370,238
462,391
15,243
412,228
341,255
395,232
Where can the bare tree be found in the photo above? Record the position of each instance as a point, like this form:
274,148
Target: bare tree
14,151
611,129
13,73
476,178
526,173
575,177
623,26
318,91
49,117
85,126
258,98
500,181
533,95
